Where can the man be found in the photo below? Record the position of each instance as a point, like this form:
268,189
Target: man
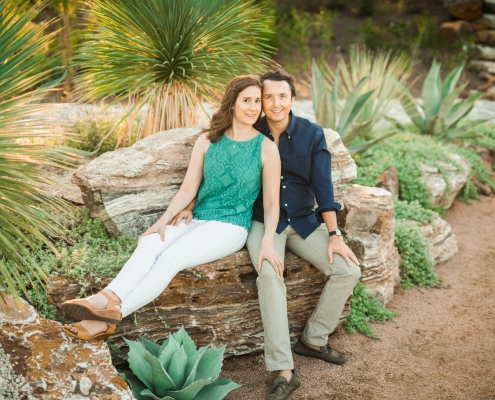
311,234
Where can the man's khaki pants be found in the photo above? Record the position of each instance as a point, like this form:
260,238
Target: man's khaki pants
273,298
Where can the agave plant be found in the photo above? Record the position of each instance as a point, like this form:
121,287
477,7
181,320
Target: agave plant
338,93
26,142
176,370
441,110
166,56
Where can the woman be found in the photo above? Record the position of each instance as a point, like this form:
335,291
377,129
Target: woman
229,162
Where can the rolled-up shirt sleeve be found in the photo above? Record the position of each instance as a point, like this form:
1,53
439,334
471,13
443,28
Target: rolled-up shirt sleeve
321,176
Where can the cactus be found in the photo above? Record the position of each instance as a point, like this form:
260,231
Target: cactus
176,370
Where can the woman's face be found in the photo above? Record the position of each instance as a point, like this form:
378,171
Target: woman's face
247,107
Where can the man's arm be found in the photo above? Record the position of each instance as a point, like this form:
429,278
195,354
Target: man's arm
336,244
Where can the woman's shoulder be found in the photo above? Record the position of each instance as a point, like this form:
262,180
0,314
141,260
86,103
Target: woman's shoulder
269,147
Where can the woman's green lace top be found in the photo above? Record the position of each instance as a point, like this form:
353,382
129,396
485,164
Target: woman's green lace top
231,181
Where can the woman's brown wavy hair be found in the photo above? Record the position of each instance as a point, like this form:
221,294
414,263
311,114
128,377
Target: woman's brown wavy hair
222,119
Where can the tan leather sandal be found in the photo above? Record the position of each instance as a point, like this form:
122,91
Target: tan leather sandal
83,334
81,309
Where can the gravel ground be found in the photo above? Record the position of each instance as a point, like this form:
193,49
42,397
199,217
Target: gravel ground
9,381
441,346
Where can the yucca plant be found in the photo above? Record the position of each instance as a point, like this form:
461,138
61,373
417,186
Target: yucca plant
338,93
167,56
441,110
176,370
26,142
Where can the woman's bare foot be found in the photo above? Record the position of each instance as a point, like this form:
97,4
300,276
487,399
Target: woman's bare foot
99,301
92,326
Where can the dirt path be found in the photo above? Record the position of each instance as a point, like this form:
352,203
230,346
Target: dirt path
441,346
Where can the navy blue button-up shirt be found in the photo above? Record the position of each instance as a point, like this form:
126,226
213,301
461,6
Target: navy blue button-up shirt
306,175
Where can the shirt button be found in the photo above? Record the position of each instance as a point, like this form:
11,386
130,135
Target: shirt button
288,220
281,177
284,187
286,205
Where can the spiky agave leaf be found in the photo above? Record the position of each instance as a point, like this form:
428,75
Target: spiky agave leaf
168,55
26,142
383,71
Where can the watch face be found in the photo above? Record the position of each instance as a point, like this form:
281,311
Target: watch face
338,233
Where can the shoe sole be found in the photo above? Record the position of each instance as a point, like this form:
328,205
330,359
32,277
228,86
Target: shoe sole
81,313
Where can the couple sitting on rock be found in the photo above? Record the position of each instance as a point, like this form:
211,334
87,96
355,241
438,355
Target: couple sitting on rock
254,179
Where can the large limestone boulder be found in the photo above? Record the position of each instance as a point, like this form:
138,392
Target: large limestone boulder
443,190
217,303
50,365
368,224
129,189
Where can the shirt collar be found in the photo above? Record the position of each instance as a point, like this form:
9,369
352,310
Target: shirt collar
291,129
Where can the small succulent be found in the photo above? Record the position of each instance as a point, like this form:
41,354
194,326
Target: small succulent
176,370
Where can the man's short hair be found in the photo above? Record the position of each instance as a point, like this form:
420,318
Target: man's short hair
279,76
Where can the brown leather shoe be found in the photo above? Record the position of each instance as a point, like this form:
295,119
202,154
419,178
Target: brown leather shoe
281,389
326,353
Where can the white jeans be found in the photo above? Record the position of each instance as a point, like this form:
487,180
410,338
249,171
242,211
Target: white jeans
154,263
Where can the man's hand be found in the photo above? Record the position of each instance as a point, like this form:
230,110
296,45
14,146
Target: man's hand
186,214
337,246
268,253
157,227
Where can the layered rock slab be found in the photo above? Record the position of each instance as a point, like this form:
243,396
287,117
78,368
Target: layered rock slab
130,188
216,302
53,366
368,224
443,243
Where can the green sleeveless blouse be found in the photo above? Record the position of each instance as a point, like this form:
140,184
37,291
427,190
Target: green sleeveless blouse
231,181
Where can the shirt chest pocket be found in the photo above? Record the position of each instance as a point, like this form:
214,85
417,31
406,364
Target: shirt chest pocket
297,167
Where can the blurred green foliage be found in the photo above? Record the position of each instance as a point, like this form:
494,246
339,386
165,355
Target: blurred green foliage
419,38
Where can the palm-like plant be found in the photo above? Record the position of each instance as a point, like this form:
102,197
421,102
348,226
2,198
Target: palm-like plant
337,97
166,56
440,111
25,139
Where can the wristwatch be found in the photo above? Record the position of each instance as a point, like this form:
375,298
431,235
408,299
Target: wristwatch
335,232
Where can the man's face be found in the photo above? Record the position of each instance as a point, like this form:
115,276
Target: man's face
277,100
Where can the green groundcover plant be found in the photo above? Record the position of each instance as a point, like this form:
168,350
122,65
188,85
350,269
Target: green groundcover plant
176,370
407,151
366,308
416,263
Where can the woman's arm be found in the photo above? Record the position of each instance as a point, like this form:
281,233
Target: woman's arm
271,205
188,189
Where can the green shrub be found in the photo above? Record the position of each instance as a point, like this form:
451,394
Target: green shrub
416,264
295,29
366,308
418,38
92,127
176,370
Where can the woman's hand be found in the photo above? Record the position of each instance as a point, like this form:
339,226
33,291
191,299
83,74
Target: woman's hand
184,214
268,252
157,227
